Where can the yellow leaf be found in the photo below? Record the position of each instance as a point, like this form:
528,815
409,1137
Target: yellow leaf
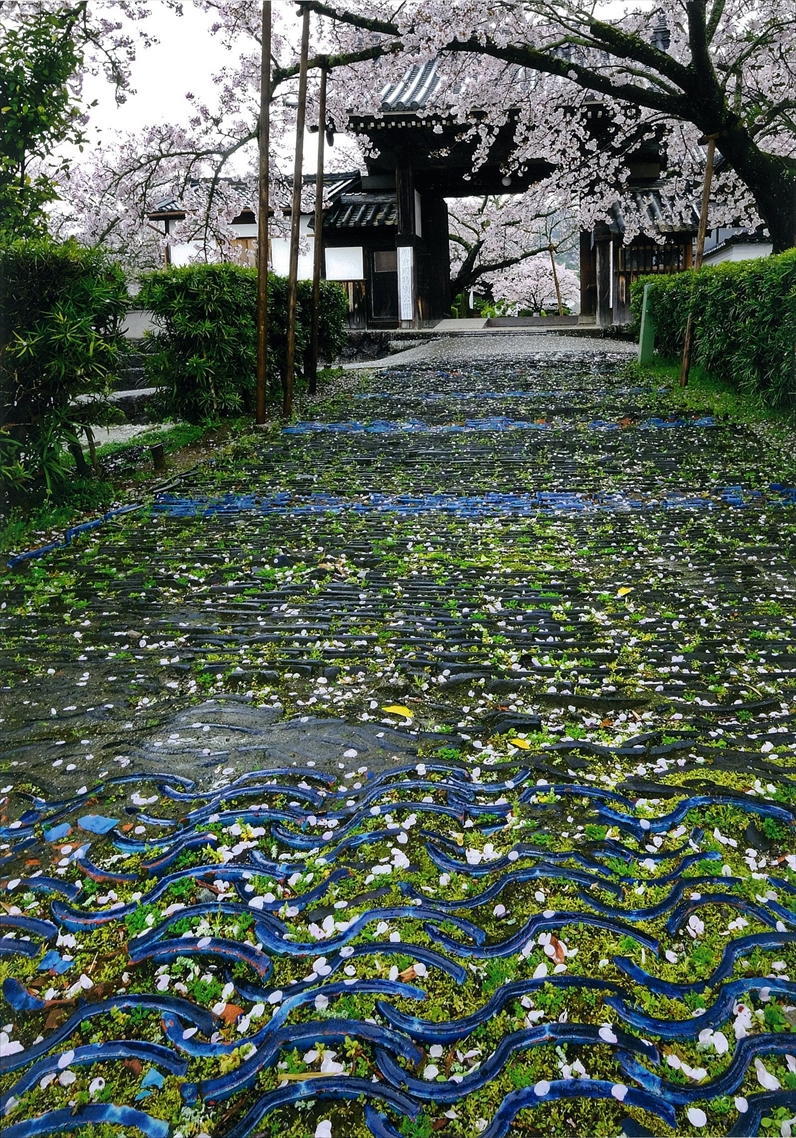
398,709
522,743
624,591
300,1076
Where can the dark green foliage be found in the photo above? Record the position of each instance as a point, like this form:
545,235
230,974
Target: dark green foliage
39,53
205,356
61,314
332,319
744,322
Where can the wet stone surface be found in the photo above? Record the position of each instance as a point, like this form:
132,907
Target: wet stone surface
425,769
241,733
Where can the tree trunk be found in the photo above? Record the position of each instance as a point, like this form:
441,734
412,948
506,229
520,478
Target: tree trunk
772,180
82,467
465,276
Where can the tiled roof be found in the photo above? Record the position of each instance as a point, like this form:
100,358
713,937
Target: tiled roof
362,211
168,205
414,90
659,211
335,182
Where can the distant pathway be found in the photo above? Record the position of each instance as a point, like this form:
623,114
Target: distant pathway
424,769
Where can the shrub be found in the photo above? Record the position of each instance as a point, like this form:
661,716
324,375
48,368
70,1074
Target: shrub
332,317
61,314
744,322
205,355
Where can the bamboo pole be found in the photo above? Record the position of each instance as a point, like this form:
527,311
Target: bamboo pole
688,342
295,220
312,358
263,206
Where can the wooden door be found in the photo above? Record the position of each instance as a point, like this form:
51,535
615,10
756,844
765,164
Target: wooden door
383,273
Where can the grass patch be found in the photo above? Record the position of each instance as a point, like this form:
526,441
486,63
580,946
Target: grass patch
24,527
174,438
28,525
707,392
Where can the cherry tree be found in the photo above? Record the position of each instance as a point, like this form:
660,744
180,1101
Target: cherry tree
581,91
493,234
531,285
585,90
205,160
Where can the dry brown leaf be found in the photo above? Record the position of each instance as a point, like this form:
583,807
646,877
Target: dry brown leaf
55,1017
301,1075
231,1012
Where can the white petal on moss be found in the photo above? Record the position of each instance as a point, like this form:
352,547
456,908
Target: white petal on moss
696,1116
768,1081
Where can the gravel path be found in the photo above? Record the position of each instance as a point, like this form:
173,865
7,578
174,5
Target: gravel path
499,344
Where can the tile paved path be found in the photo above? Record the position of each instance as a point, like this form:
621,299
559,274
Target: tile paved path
426,769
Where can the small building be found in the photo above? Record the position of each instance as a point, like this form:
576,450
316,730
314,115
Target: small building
608,265
732,243
385,230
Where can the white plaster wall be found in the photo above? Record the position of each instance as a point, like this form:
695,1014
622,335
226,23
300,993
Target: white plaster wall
740,252
280,252
345,263
280,249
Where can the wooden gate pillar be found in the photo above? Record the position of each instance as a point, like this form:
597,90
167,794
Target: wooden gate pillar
588,280
603,243
405,241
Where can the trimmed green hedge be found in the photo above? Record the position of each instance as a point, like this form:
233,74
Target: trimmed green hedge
744,322
62,308
205,355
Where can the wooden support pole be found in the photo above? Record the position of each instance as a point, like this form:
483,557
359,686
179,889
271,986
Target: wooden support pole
688,342
588,280
295,220
263,205
555,280
312,358
158,452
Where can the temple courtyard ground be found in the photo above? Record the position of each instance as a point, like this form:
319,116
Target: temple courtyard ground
422,768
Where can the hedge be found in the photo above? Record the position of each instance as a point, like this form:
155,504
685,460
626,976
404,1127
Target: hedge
204,356
744,322
62,308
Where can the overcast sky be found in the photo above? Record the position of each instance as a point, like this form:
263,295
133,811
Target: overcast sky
185,59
